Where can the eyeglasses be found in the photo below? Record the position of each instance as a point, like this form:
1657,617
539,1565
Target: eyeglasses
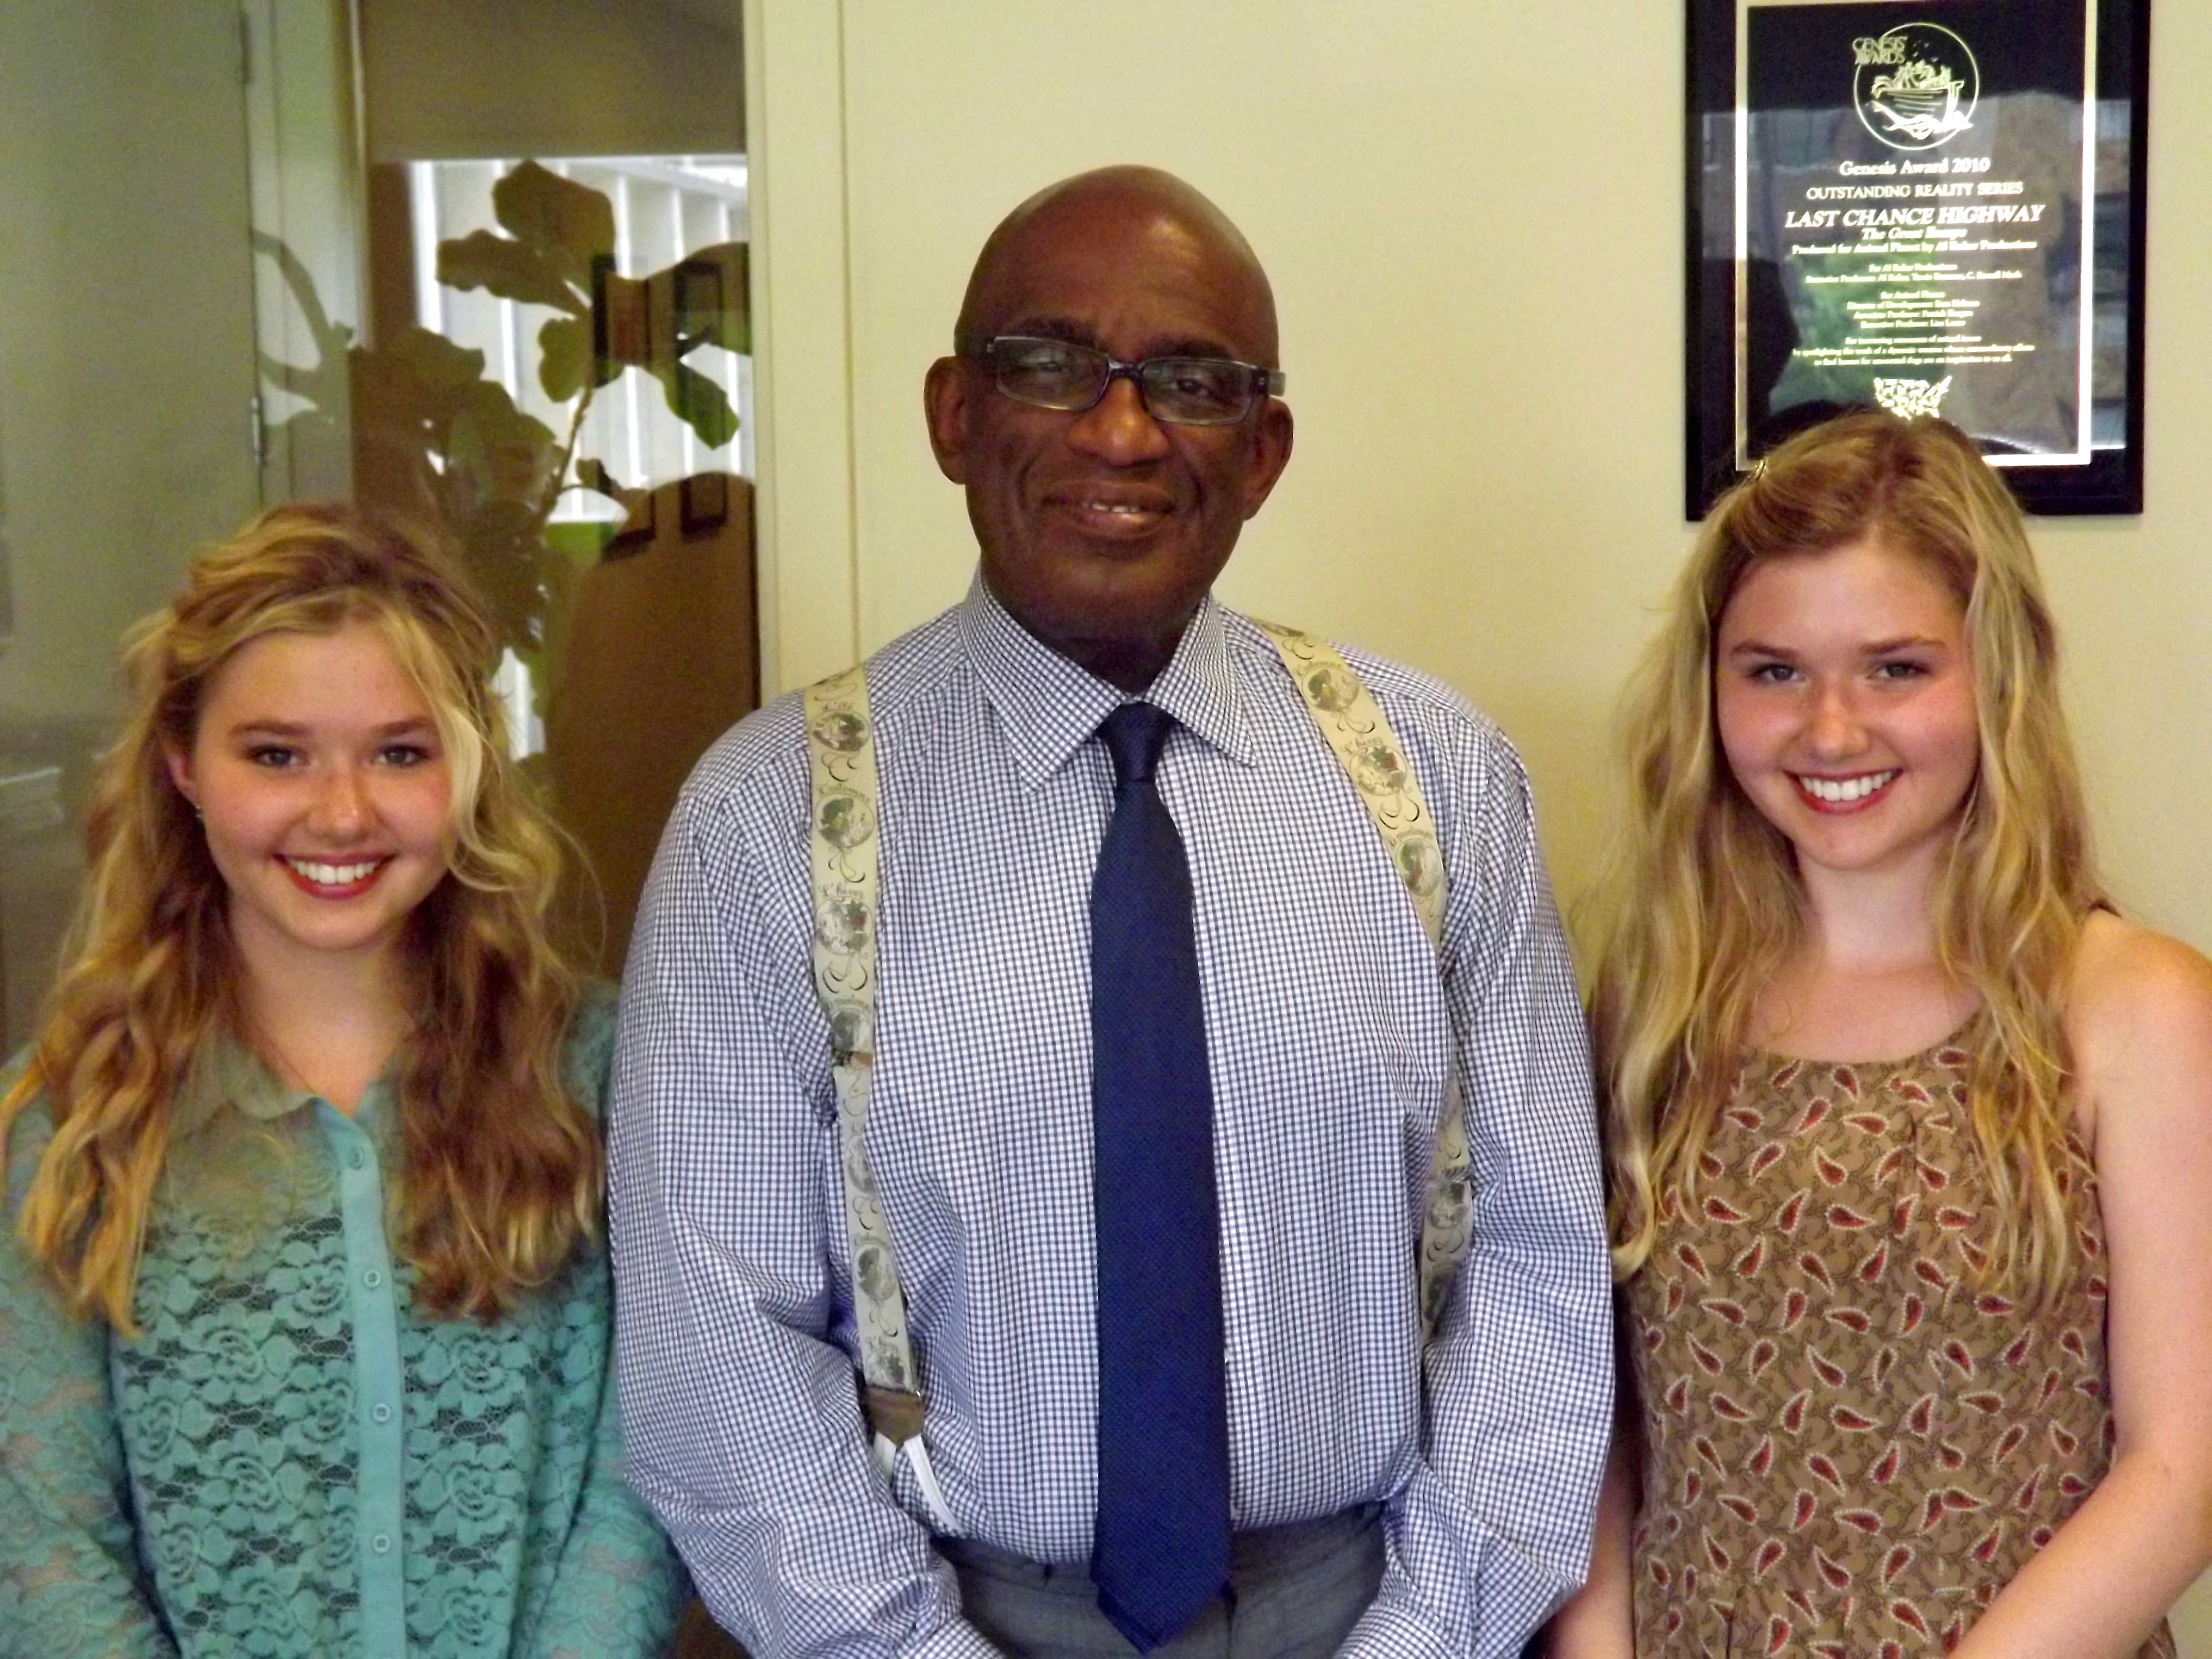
1184,391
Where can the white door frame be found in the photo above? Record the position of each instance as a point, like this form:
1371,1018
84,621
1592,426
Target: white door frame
795,130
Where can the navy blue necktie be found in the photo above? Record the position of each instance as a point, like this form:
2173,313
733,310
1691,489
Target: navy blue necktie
1161,1547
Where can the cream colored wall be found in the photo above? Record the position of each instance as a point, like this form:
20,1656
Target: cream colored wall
1473,219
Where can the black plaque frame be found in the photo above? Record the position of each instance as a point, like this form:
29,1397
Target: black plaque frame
2110,481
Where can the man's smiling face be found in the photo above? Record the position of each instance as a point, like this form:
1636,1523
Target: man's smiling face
1102,530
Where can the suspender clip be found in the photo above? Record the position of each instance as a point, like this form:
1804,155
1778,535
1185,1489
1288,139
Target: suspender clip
894,1413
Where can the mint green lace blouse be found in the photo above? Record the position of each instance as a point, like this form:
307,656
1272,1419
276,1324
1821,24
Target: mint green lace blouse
290,1460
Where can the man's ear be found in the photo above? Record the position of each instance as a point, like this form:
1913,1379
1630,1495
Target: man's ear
1271,446
946,391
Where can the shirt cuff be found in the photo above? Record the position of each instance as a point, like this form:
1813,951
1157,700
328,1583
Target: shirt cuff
1392,1633
956,1639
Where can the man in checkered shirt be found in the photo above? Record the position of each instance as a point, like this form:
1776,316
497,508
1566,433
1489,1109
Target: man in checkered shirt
1388,1494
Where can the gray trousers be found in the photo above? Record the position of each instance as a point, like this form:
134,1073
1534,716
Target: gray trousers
1294,1593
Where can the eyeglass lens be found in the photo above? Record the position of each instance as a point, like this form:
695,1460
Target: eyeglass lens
1059,375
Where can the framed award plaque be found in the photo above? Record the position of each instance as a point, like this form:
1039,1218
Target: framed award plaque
1935,207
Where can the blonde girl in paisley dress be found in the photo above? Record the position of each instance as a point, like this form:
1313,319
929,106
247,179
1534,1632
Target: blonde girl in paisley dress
304,1313
1910,1133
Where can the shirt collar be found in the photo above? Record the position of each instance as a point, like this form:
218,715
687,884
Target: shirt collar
229,1074
1049,706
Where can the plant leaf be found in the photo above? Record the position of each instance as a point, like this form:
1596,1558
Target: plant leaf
592,473
514,453
405,391
513,270
564,356
698,403
432,362
502,422
569,222
505,552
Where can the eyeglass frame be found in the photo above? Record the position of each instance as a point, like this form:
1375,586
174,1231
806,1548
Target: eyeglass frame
1263,383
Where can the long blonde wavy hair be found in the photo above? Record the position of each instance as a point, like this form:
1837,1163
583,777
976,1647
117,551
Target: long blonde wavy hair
1701,903
500,1172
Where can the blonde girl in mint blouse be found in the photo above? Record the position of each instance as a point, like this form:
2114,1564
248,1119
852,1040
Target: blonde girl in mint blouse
304,1320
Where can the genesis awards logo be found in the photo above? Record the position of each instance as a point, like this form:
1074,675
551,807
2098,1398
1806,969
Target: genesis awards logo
1910,400
1916,85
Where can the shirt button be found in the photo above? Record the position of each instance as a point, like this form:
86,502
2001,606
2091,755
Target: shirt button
356,1158
382,1543
372,1277
380,1413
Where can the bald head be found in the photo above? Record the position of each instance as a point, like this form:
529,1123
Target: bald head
1123,207
1102,527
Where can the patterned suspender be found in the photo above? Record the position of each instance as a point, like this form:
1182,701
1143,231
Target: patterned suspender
841,755
1368,750
841,750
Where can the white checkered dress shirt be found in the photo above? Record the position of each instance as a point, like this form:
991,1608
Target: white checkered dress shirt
1328,1028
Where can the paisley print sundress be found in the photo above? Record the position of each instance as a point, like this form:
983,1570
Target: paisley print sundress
1852,1441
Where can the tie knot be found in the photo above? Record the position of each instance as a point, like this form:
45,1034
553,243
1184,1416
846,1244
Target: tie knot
1135,732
